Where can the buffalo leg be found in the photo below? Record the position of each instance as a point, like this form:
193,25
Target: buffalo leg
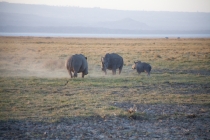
114,71
75,74
70,73
120,71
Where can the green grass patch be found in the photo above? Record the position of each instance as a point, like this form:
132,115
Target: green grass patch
40,98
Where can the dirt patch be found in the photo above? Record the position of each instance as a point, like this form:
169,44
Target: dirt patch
113,127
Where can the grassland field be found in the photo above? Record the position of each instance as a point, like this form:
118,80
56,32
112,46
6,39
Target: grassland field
33,85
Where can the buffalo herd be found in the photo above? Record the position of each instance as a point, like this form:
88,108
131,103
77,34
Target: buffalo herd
78,63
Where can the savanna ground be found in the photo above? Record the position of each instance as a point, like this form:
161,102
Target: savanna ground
36,102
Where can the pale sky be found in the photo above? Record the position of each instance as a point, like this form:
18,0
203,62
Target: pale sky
140,5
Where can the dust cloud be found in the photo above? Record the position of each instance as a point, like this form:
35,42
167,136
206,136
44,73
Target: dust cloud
25,67
21,67
49,68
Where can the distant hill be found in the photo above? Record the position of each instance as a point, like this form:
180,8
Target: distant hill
127,23
43,18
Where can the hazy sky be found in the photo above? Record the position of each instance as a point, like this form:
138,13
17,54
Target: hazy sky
146,5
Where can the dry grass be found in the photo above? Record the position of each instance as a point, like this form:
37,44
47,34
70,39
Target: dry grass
27,52
180,75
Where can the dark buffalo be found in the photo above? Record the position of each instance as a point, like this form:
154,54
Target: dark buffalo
142,67
112,62
77,63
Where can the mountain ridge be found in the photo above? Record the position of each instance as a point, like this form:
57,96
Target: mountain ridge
27,15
